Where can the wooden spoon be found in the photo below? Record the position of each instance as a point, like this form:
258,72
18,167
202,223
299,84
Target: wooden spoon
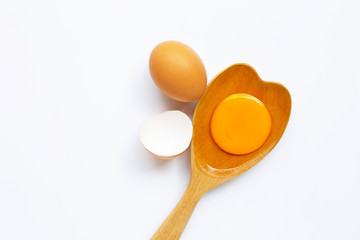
210,166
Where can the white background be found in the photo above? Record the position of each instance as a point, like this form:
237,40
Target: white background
75,89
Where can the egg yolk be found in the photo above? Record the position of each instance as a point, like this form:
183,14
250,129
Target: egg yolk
240,124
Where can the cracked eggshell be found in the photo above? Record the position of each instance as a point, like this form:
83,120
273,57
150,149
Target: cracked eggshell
166,135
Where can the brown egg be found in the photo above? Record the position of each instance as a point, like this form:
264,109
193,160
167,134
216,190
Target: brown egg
178,71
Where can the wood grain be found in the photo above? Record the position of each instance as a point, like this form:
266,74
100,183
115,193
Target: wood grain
210,166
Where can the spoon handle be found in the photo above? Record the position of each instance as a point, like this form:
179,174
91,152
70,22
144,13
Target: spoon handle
175,223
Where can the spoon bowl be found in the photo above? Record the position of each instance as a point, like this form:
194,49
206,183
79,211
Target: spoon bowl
238,78
211,166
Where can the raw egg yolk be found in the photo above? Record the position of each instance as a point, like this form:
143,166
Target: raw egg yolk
240,124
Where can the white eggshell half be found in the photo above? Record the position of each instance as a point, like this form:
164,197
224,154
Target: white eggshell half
167,134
